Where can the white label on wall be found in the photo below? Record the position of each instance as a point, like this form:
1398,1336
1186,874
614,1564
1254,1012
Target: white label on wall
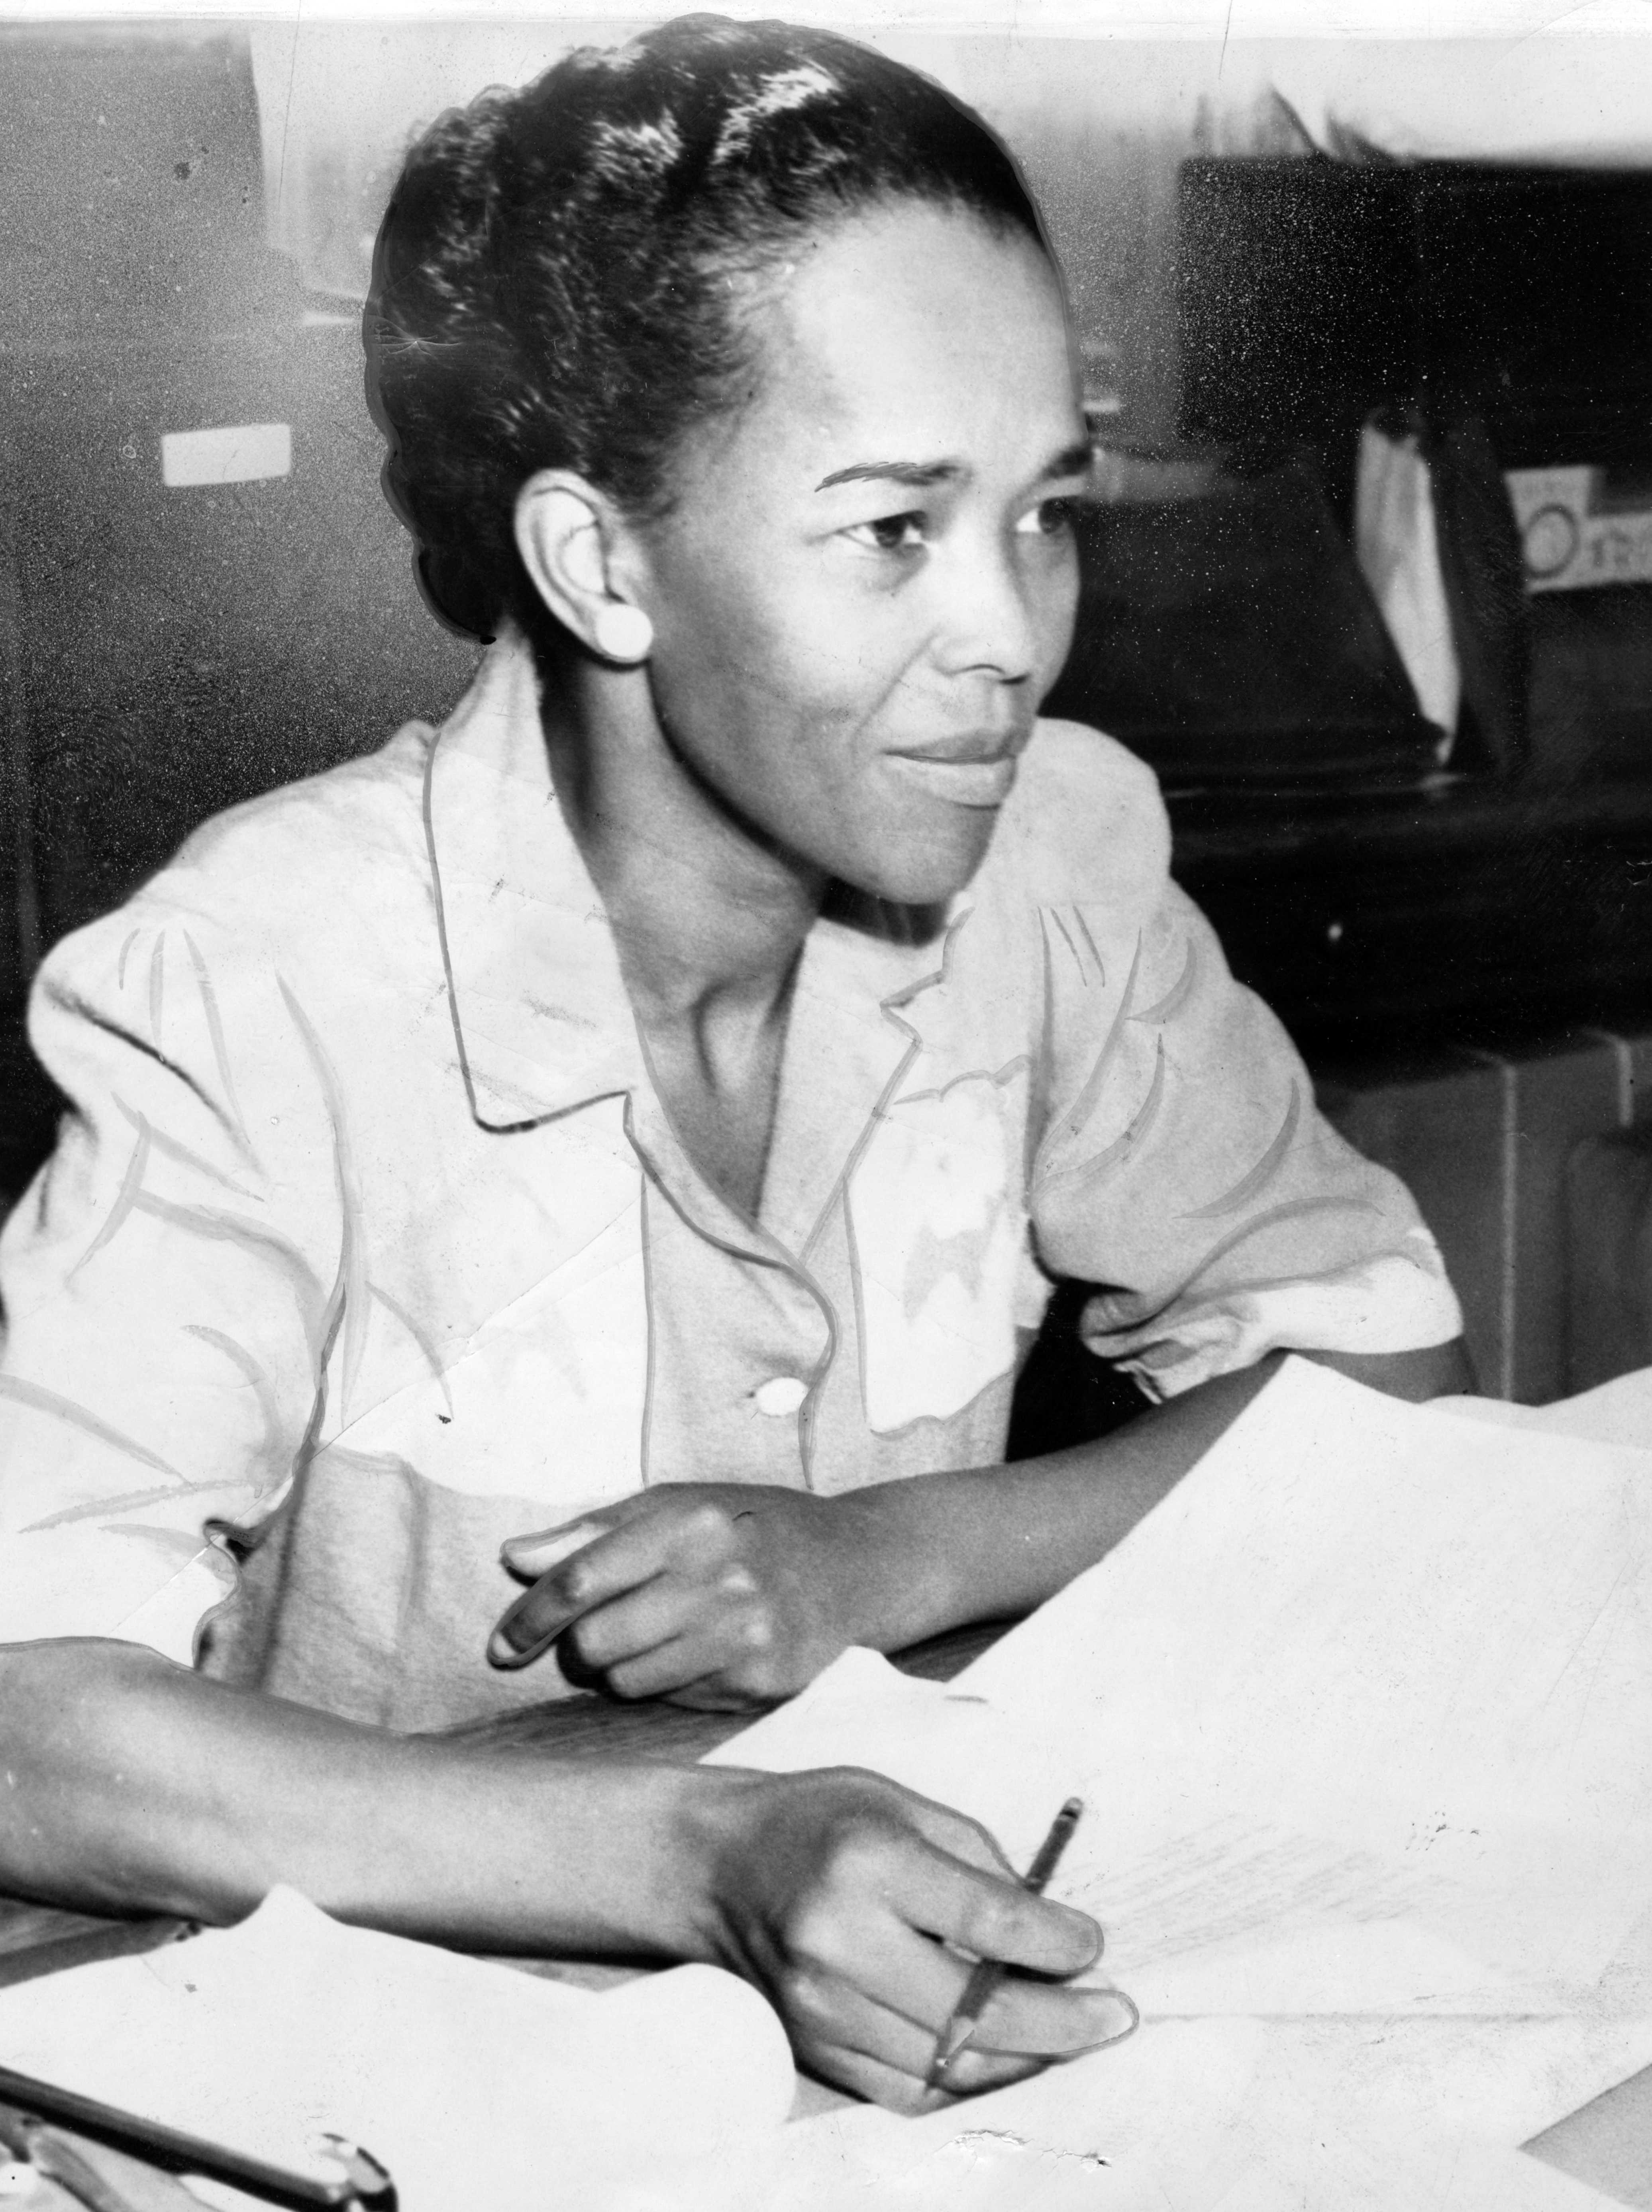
1575,534
243,453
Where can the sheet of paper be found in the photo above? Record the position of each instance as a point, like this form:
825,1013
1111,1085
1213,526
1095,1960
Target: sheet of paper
474,2084
1092,2142
1424,1642
1232,1914
1615,1413
1212,2116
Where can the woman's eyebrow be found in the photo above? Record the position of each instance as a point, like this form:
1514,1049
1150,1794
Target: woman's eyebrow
920,474
1073,461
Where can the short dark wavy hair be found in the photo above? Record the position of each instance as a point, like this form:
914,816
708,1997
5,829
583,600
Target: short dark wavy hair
561,275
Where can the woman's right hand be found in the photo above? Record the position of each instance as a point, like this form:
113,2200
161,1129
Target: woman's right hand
858,1907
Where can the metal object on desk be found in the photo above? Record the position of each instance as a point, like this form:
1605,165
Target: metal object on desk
33,2144
357,2179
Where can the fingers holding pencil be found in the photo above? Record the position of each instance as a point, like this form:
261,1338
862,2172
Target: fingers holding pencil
1029,2027
860,1907
986,1995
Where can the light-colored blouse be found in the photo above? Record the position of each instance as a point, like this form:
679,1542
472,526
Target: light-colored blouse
368,1243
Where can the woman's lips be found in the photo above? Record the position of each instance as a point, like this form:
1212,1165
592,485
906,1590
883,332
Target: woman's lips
965,782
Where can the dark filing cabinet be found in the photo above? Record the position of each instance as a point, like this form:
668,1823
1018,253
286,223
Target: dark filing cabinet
167,650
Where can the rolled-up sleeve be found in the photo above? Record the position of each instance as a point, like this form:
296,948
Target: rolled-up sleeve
169,1281
1184,1169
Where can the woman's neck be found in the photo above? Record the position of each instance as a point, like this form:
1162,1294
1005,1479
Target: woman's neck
709,922
708,925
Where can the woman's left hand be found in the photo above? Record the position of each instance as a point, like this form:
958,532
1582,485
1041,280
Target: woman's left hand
723,1596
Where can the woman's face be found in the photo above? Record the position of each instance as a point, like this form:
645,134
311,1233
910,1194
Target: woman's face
867,583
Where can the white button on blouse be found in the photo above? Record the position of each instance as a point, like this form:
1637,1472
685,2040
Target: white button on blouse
781,1395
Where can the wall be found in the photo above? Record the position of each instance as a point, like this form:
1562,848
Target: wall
1100,126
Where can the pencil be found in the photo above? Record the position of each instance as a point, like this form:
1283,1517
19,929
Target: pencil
987,1973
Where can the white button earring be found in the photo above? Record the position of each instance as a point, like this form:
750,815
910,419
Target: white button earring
622,633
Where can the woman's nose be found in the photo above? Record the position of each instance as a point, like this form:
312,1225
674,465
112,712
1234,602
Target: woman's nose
990,622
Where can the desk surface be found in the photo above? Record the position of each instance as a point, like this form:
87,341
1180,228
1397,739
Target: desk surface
1608,2144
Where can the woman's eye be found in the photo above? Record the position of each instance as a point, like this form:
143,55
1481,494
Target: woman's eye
891,533
1050,517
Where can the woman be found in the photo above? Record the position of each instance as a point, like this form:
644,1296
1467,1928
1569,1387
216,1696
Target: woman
630,1127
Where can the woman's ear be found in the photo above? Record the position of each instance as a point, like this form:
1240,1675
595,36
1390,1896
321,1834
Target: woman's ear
564,533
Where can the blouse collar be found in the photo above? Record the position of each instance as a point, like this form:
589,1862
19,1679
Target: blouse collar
541,1016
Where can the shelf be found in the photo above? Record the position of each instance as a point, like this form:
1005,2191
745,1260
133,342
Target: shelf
1460,909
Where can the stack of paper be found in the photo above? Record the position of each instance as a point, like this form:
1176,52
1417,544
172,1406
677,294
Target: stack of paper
1362,1715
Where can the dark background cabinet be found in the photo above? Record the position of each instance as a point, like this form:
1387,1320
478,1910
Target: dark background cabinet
1376,897
165,652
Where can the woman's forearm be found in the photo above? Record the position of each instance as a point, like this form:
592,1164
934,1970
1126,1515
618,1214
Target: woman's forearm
987,1543
127,1784
131,1784
982,1543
